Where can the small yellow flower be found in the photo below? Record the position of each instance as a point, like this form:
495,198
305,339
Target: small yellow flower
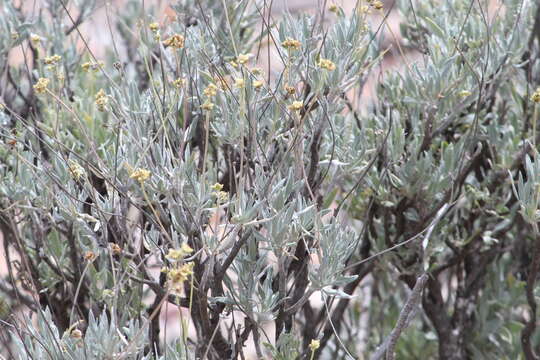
91,65
41,85
233,63
210,91
179,83
175,254
536,96
291,44
257,84
14,35
314,345
141,175
364,9
89,256
208,106
333,8
75,170
101,100
154,26
217,187
239,83
35,39
179,254
296,106
290,89
464,93
243,58
186,248
176,276
100,93
52,60
176,41
115,249
257,71
378,5
327,64
221,196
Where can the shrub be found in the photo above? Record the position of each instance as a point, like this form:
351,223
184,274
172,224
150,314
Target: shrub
276,208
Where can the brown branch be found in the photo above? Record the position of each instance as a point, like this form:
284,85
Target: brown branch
530,326
404,319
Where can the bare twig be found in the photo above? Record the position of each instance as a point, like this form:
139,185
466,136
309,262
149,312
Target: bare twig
405,317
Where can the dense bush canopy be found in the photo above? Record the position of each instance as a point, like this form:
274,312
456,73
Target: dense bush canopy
226,162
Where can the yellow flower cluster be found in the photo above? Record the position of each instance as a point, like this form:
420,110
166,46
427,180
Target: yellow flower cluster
464,93
327,64
239,83
296,106
89,256
154,27
176,41
52,60
257,71
536,96
179,83
101,100
115,248
75,170
290,89
210,91
333,8
41,86
208,106
364,9
91,65
141,175
291,44
314,345
243,58
180,271
377,5
220,195
177,275
179,254
257,84
35,39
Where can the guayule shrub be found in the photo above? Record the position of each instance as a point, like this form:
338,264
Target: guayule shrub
225,163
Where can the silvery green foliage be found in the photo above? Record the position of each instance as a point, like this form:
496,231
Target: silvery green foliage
104,339
298,203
